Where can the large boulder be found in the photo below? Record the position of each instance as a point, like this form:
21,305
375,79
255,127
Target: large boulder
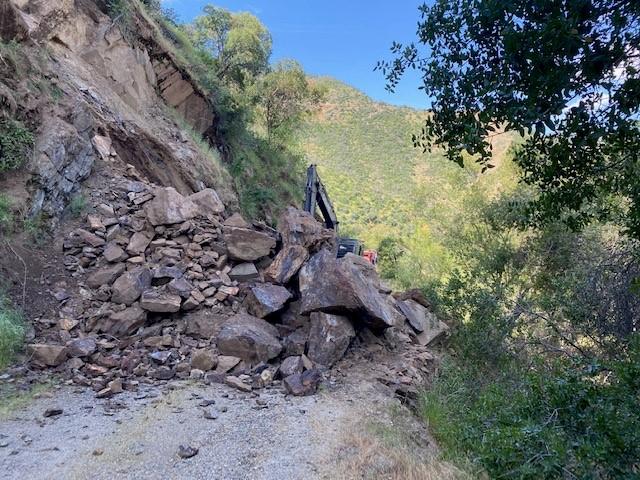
48,355
303,384
250,338
286,264
106,275
418,317
345,285
124,322
82,347
329,337
265,298
298,227
160,300
246,244
130,285
169,207
208,201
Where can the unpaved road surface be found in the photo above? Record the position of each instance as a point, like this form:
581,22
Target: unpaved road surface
137,435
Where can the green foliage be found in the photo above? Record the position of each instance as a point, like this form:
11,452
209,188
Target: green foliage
11,332
564,75
6,214
78,205
283,96
383,187
390,250
571,420
36,228
16,143
122,12
239,43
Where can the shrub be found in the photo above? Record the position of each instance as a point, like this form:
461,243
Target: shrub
78,205
6,214
16,142
11,332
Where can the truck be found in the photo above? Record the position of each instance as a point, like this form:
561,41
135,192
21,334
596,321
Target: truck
317,198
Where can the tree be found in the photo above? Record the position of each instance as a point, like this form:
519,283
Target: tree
239,42
564,74
284,95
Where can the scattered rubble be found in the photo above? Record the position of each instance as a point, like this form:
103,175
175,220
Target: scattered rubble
167,287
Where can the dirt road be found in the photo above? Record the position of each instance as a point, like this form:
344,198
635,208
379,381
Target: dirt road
255,436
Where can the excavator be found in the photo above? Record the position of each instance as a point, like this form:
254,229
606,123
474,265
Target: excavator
316,197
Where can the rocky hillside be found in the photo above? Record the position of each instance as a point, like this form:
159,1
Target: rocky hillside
144,271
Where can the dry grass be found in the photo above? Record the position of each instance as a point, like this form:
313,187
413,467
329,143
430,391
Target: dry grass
367,457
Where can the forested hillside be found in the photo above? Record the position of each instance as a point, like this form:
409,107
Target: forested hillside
385,190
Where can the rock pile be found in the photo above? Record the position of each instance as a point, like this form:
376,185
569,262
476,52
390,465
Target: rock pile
170,288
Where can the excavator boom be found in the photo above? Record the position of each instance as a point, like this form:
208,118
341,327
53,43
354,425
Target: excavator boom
316,195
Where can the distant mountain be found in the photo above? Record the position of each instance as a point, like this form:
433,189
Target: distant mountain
380,184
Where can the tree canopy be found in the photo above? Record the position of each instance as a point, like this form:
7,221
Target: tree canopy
564,74
239,42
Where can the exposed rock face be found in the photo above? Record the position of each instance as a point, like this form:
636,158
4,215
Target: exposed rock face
264,299
49,355
329,338
208,201
129,286
286,264
250,338
331,285
160,300
169,207
247,245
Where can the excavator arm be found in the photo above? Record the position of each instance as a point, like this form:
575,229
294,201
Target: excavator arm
316,195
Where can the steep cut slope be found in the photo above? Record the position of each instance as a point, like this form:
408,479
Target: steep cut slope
380,184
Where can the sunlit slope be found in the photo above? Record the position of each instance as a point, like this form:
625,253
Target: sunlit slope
380,184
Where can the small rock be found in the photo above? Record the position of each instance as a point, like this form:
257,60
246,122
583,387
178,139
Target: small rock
185,451
52,412
210,415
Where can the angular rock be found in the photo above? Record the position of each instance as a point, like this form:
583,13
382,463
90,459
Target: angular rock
125,322
417,316
203,324
345,286
82,347
329,338
52,412
250,338
106,275
113,253
286,264
186,451
226,363
169,207
296,342
129,286
161,356
292,316
181,287
247,245
203,359
89,238
244,272
161,301
235,382
49,355
265,298
138,243
291,366
298,227
236,220
162,373
302,384
208,201
434,331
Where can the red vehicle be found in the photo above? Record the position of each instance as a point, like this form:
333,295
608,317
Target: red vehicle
372,256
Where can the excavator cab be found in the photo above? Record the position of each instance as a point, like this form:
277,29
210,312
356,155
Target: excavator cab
316,196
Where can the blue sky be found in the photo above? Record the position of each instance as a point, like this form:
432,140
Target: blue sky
343,39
